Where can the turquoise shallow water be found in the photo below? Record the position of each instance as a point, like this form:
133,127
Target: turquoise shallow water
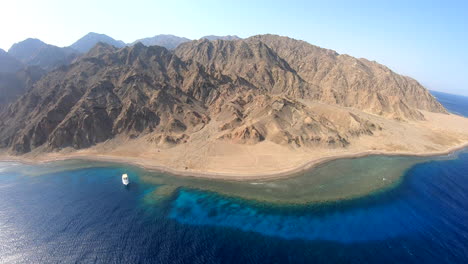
80,212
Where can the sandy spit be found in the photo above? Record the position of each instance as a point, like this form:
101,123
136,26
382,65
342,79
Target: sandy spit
146,164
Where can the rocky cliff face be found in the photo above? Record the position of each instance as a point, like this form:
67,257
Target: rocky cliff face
241,91
251,63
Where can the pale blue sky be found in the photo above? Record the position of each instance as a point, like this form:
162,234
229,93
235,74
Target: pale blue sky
427,40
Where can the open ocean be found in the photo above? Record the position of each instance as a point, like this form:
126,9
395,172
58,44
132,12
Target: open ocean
79,212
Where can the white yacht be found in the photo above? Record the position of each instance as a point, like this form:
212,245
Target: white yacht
125,179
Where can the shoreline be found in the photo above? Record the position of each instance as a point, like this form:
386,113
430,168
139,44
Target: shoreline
241,176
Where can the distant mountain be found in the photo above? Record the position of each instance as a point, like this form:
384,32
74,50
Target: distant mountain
9,63
228,37
85,43
34,52
168,41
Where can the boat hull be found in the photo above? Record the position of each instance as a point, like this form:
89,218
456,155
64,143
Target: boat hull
125,180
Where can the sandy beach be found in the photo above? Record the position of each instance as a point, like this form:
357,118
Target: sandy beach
439,135
147,164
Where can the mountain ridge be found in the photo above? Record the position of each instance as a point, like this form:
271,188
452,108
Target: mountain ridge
85,43
34,52
9,63
226,37
164,40
261,89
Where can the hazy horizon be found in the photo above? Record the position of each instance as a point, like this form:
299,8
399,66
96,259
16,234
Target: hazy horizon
422,39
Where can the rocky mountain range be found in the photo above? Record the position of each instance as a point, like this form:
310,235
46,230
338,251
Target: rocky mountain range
244,91
41,57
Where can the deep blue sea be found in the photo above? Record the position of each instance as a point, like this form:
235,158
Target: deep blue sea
456,104
79,211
